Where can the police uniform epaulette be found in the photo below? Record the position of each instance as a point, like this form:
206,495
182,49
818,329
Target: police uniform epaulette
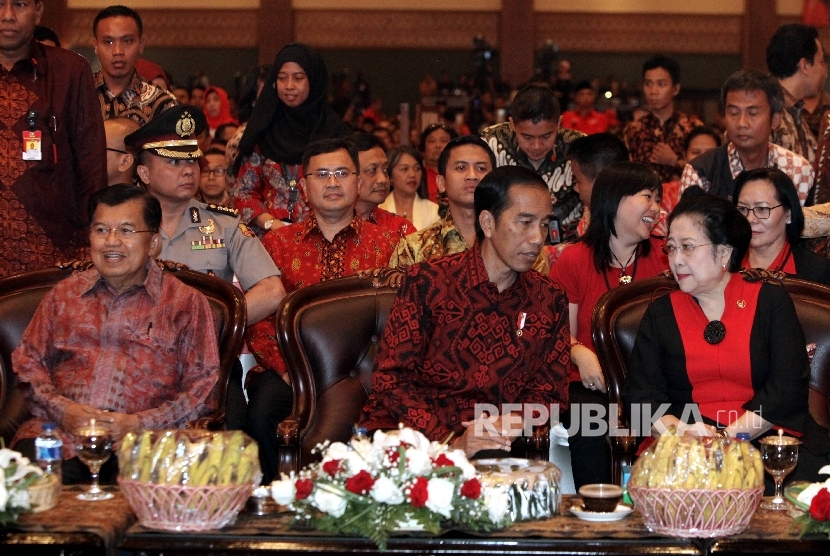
222,210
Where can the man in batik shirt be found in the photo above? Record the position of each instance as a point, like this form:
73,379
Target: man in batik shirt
332,242
123,343
753,103
118,38
656,139
477,327
48,97
533,139
374,170
795,58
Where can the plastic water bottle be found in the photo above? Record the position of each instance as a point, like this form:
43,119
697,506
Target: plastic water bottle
48,450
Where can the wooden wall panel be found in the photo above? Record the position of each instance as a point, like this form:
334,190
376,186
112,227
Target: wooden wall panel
394,29
179,28
670,33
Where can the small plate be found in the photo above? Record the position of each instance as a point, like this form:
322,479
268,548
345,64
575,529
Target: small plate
621,511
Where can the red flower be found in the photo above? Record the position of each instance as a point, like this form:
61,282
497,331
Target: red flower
332,467
393,456
820,506
418,494
361,483
471,489
443,461
304,488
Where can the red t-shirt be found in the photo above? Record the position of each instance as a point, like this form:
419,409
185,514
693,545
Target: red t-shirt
574,271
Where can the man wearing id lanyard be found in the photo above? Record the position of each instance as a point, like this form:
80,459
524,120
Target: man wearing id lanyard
478,327
53,148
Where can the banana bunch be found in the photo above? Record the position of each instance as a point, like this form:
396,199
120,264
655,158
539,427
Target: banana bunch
687,462
177,457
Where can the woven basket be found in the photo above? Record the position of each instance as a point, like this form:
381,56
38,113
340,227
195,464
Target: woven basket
184,508
696,512
44,493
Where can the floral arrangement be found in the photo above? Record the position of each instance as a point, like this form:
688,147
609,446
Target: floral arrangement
817,496
17,475
398,480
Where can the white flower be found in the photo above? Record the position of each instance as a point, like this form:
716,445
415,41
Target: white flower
19,499
337,450
386,491
328,501
355,464
283,491
497,502
363,447
385,440
418,463
415,439
440,493
460,461
7,456
4,495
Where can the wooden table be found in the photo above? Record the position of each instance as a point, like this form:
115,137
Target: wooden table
72,527
109,528
563,534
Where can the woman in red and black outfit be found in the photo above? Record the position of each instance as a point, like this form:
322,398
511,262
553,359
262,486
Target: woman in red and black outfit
616,249
768,199
727,354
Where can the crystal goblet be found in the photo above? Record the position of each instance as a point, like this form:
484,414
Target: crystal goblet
93,443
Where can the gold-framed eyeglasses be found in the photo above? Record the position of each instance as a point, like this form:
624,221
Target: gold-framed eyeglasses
761,213
103,232
686,248
325,175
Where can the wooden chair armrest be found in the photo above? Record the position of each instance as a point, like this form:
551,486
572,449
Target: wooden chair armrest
212,422
288,446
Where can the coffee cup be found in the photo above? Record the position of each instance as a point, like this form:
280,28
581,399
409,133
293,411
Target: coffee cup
600,497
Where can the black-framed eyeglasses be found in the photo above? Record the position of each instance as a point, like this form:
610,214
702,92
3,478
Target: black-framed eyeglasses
761,213
103,232
215,171
117,150
324,175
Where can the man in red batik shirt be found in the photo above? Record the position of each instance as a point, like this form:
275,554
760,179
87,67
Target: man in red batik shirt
477,327
123,343
332,242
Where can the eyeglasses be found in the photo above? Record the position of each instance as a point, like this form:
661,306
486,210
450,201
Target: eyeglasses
762,213
687,248
103,232
117,150
215,171
324,175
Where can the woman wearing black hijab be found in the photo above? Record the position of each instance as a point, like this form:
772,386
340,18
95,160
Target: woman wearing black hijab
292,111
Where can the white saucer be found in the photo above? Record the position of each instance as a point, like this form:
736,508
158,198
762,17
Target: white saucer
621,511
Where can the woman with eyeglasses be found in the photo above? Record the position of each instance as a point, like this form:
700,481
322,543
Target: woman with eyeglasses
291,111
768,199
408,197
725,352
616,249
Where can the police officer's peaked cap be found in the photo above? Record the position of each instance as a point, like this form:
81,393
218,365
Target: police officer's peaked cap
171,134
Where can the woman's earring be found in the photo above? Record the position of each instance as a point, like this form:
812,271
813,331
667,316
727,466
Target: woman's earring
724,267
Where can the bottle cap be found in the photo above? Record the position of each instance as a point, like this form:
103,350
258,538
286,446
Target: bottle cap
48,426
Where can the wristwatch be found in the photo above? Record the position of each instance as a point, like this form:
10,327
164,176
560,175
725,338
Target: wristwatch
268,224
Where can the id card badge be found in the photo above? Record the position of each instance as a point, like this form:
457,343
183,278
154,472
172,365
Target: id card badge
32,145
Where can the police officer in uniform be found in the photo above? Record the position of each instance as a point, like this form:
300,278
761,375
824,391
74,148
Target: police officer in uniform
207,238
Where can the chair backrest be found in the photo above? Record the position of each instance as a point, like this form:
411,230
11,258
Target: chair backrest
329,334
21,294
618,313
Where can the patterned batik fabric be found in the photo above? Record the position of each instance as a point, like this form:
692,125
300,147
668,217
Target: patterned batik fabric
793,133
305,257
788,162
642,135
264,186
140,101
392,222
555,169
452,341
150,351
822,191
